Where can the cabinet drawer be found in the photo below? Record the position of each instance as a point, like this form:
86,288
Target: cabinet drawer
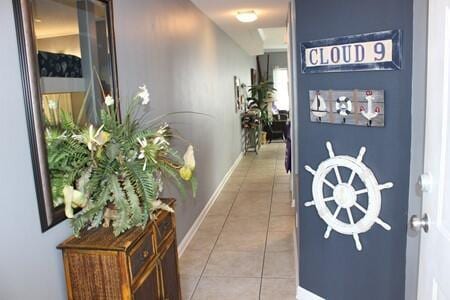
165,226
149,289
141,254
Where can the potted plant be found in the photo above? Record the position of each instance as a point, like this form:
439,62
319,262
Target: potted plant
261,94
114,171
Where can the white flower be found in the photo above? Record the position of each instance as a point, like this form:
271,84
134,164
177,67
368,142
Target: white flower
144,95
163,129
189,159
89,139
143,143
109,100
52,104
93,138
160,141
72,199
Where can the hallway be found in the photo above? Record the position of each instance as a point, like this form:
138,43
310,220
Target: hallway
244,249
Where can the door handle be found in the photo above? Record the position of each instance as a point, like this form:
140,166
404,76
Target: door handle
416,223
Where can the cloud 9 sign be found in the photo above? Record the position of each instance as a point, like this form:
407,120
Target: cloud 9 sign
362,52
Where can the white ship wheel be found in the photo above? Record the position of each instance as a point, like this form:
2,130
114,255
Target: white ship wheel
345,195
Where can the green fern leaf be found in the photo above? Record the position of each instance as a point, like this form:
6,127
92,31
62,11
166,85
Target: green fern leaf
122,221
133,200
143,181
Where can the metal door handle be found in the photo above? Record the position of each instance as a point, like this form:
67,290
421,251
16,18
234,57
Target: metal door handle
416,223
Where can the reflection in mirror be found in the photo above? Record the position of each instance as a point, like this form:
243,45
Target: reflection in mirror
74,69
71,71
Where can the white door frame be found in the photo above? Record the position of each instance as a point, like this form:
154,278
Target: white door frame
418,107
292,68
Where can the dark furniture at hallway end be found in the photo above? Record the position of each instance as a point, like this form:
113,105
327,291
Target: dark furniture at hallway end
139,264
278,126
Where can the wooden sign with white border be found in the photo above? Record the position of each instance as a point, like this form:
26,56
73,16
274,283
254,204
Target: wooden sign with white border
361,52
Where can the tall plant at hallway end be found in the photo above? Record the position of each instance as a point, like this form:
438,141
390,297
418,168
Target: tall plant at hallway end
115,172
260,98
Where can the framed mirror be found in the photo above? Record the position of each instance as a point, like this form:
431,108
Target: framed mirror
67,57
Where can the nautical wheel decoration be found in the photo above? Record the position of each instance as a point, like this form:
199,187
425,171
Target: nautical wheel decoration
345,195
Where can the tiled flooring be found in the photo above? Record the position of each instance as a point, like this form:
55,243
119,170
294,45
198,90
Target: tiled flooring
244,249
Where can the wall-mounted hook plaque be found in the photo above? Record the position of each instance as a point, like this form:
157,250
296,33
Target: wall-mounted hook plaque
352,107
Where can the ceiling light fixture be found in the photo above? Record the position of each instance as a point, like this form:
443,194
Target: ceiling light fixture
246,16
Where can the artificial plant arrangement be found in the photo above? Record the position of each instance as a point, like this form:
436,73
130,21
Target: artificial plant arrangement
114,171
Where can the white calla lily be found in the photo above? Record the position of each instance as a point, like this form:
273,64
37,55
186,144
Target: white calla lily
189,159
72,199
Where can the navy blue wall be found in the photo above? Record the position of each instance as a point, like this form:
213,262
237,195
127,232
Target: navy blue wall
333,268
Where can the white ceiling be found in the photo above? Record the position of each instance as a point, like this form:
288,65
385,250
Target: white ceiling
274,38
271,14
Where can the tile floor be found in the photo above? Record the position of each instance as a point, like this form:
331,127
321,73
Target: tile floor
244,249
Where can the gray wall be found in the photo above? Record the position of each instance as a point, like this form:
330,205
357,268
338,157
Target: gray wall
333,268
30,264
186,62
277,59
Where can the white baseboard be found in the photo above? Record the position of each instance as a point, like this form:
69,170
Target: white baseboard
304,294
191,232
291,188
296,252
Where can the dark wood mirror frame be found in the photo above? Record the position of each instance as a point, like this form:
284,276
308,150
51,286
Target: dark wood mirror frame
49,216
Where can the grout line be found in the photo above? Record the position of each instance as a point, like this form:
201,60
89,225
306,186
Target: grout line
220,232
268,224
255,158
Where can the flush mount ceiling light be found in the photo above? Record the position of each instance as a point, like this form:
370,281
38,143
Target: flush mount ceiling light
246,16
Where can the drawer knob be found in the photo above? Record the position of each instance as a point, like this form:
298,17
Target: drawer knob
145,254
166,225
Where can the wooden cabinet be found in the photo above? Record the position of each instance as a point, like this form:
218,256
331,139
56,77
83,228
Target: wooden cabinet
141,264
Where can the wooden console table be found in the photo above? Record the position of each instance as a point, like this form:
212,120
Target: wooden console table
139,264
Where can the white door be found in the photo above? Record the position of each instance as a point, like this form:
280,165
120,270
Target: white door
434,265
